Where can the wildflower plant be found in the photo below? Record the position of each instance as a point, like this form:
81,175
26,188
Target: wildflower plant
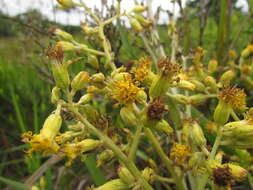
152,103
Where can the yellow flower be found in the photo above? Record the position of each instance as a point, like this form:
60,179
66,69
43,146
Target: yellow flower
73,150
230,99
179,153
142,69
44,141
235,97
124,91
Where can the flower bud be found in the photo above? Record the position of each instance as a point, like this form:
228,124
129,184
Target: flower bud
35,187
237,171
80,80
104,156
227,77
125,176
121,76
136,25
186,85
85,98
142,20
199,85
159,86
90,112
93,61
89,30
115,184
66,46
222,113
98,77
211,82
93,90
66,3
61,75
197,135
197,160
73,150
212,66
238,134
64,35
247,51
139,9
164,126
148,175
128,116
142,97
198,99
55,95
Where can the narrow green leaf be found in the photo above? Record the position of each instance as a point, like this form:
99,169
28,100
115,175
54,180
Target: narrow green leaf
14,184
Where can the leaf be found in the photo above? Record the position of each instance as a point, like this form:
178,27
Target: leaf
14,184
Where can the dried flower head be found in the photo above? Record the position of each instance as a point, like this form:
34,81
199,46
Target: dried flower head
179,153
235,97
55,53
156,109
124,91
168,68
222,176
142,68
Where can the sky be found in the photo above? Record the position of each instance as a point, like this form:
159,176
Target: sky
47,7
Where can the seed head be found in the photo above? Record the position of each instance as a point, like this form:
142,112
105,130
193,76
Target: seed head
156,109
168,68
222,176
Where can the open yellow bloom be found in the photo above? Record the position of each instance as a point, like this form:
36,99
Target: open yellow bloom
230,99
73,150
179,153
142,69
124,91
44,141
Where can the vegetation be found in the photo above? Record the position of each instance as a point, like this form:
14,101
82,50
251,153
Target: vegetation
106,106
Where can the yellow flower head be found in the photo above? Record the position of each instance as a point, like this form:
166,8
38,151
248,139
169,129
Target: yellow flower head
250,48
232,54
124,91
40,142
142,69
73,150
179,153
44,141
168,68
234,97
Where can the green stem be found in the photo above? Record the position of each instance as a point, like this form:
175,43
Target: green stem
235,117
168,163
250,181
136,140
204,178
110,144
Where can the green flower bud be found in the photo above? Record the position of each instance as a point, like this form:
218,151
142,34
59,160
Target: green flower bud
61,76
66,3
198,99
93,61
159,86
121,76
85,98
148,175
128,116
238,134
142,20
227,77
199,85
211,82
80,80
237,171
64,35
136,25
55,95
142,97
197,135
126,176
66,46
104,156
164,126
222,113
212,66
98,77
139,9
186,85
115,184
